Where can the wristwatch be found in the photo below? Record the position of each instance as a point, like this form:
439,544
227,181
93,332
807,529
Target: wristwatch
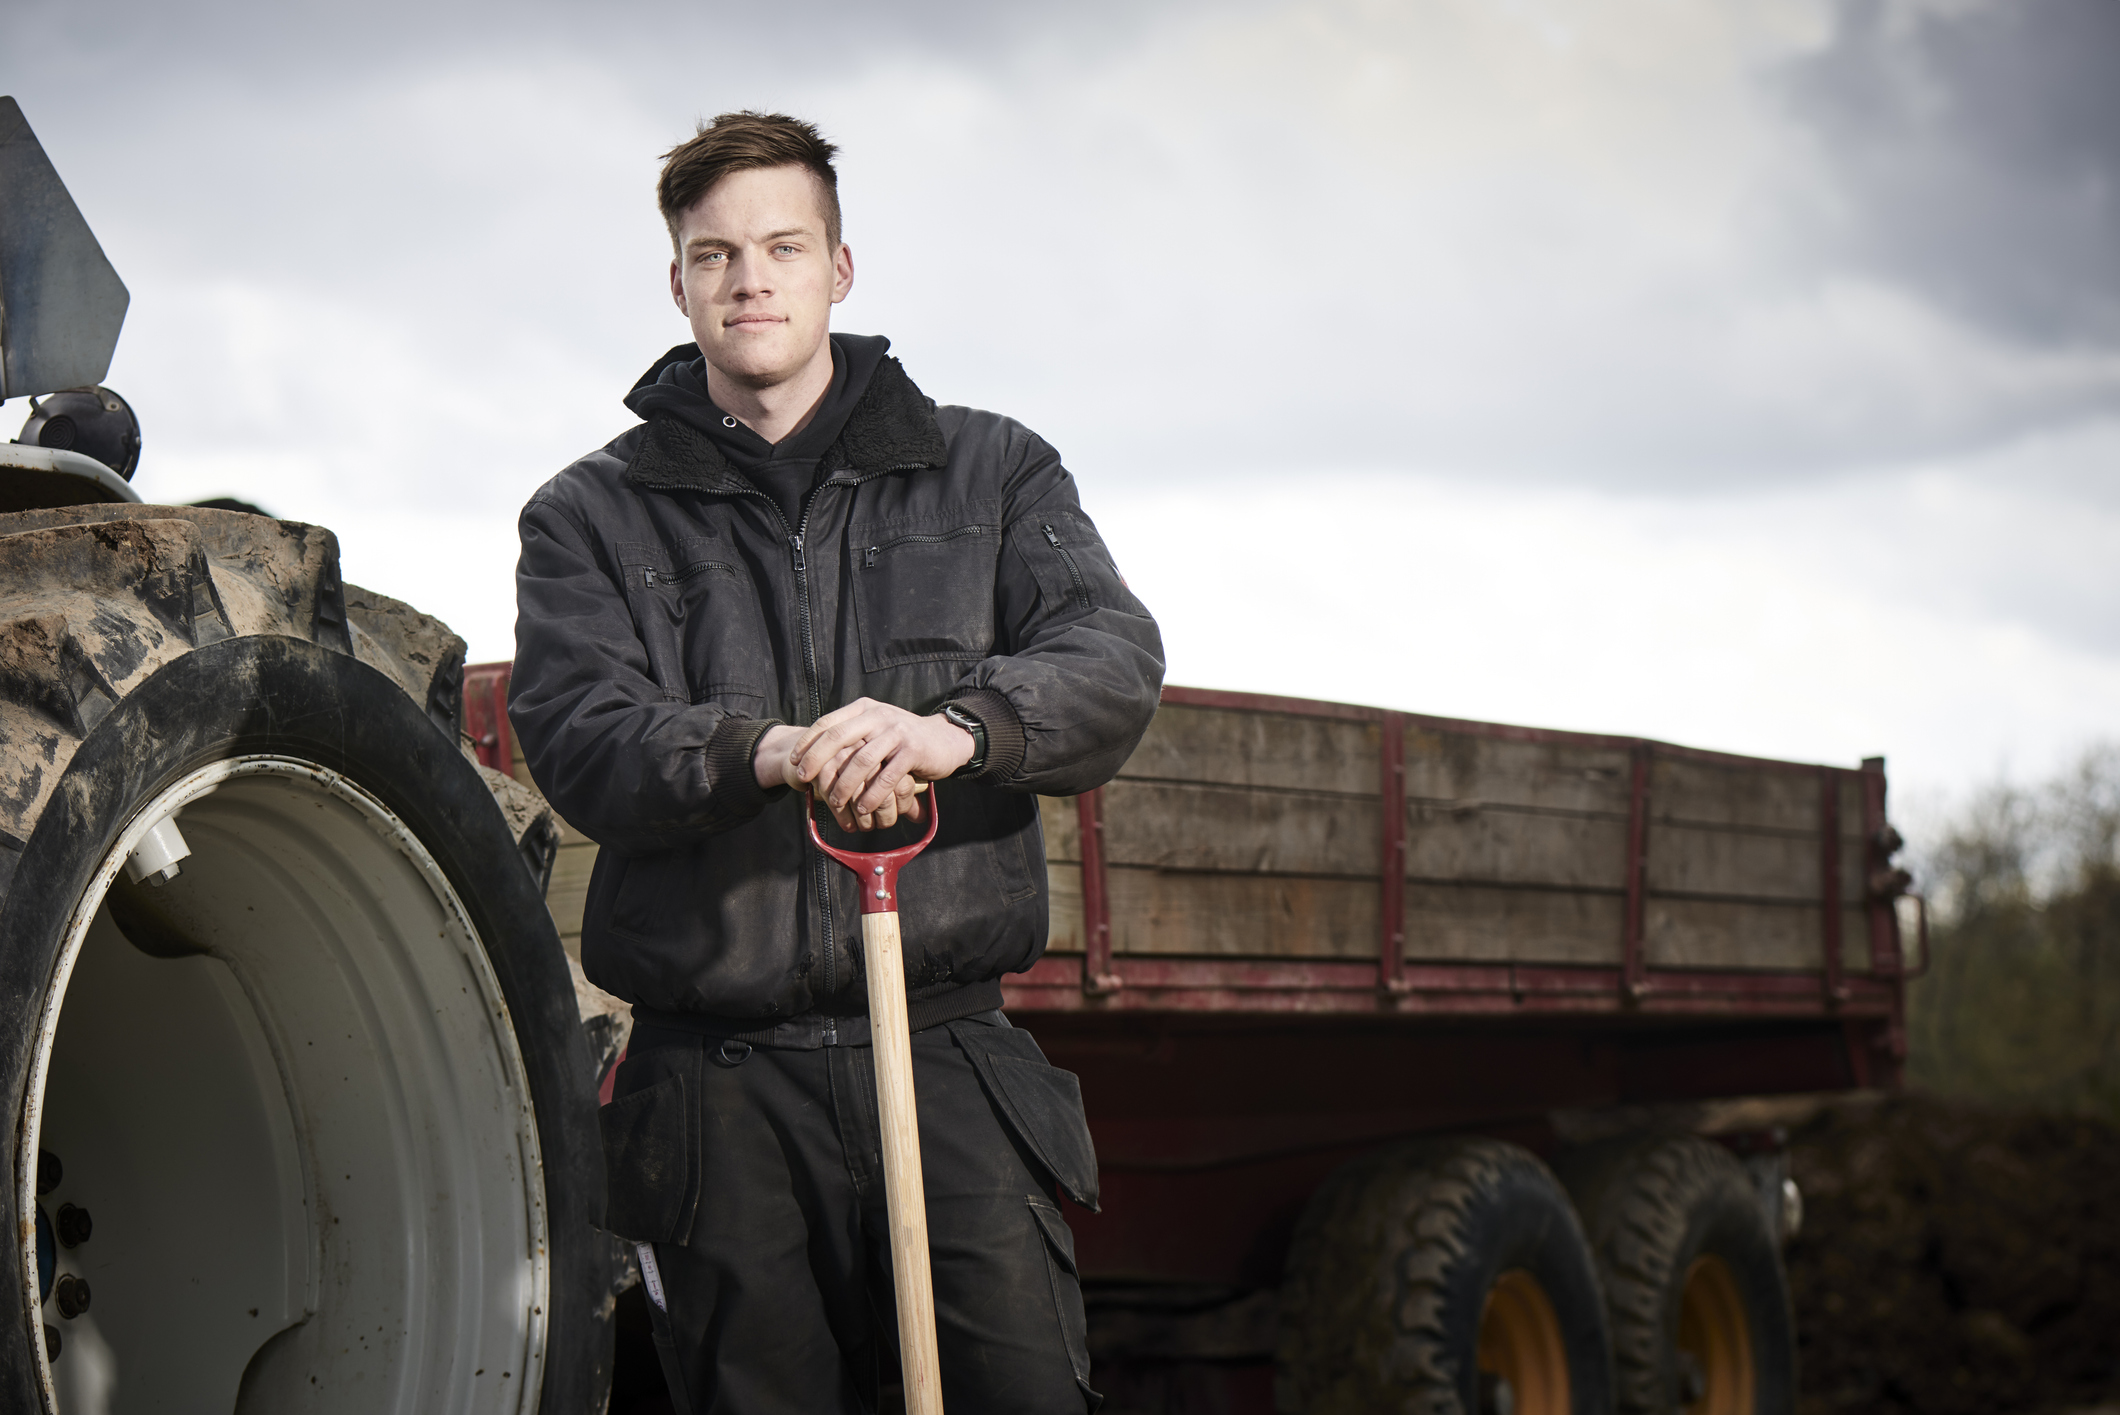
974,726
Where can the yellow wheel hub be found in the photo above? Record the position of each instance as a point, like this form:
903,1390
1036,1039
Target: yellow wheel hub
1716,1375
1523,1362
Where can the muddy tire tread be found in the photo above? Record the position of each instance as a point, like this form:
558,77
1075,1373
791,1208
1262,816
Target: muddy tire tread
100,603
98,598
1413,1203
1638,1199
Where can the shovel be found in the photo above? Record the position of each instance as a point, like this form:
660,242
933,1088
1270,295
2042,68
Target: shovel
891,1040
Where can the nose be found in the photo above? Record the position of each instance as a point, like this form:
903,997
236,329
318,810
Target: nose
749,275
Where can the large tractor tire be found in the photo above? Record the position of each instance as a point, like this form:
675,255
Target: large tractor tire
303,1115
1691,1264
1442,1278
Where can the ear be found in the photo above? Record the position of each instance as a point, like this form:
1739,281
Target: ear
677,288
842,272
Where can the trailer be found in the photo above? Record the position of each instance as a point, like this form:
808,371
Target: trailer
1416,1051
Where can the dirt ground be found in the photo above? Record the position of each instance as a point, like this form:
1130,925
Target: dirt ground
1956,1261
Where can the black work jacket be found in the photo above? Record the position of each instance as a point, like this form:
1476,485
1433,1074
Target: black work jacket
667,615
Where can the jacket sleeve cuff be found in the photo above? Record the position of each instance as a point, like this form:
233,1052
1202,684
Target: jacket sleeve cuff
1004,733
730,774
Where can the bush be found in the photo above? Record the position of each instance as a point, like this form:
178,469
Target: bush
2021,1007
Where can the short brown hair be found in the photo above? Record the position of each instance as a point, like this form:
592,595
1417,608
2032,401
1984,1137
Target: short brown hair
737,142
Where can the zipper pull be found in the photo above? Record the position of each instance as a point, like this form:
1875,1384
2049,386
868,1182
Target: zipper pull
868,559
796,541
647,578
1052,537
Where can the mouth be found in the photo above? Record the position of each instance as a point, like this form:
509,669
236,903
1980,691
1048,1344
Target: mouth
752,321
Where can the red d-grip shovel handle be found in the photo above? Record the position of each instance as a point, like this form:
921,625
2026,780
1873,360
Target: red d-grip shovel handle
878,870
890,1032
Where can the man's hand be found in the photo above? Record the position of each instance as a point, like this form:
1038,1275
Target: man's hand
867,762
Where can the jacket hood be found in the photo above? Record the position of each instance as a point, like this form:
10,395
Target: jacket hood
891,426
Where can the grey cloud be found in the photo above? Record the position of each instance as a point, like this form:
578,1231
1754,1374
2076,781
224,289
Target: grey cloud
1977,154
294,45
466,190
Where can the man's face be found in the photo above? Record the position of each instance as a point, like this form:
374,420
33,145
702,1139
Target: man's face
755,275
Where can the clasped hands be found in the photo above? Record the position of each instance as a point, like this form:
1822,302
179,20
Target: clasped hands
868,762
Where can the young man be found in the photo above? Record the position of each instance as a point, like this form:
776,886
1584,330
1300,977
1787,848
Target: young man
800,578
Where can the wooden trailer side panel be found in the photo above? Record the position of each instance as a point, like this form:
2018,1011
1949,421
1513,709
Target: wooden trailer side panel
1245,832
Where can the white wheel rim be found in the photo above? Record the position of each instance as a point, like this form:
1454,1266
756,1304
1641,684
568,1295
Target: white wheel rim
396,1223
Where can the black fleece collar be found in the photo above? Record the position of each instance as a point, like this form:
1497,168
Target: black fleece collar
892,428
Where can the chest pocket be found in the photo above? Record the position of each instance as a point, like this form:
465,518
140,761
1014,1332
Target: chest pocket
699,617
924,592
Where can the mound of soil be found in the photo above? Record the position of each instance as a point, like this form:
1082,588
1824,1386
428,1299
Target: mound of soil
1956,1261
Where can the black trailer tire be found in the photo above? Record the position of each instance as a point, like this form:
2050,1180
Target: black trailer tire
144,648
1691,1266
1422,1276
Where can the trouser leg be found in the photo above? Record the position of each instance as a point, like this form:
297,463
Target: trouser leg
1008,1308
781,1299
764,1300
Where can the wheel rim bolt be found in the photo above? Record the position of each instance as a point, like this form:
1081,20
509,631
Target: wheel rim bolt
75,1226
72,1295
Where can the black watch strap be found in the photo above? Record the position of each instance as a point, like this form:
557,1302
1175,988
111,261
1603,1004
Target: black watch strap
974,726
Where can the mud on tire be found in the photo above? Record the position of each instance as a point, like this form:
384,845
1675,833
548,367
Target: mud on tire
345,1028
1412,1268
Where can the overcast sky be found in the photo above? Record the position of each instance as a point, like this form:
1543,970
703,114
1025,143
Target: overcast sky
1746,375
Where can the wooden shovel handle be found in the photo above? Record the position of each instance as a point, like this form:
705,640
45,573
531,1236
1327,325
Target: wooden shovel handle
891,1044
904,1191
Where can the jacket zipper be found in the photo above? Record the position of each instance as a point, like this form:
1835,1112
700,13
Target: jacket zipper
1074,572
868,558
815,704
650,577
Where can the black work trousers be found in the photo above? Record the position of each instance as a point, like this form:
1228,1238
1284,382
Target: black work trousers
775,1261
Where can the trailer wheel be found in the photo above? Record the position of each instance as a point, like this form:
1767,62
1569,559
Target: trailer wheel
297,1083
1693,1278
1447,1277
